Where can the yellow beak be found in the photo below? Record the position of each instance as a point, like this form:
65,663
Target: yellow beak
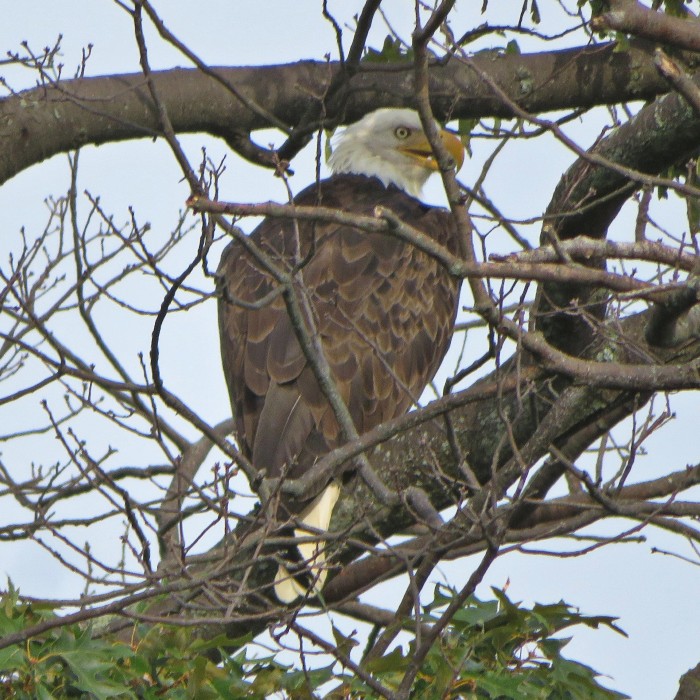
417,147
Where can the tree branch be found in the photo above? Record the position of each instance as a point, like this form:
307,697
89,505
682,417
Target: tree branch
51,119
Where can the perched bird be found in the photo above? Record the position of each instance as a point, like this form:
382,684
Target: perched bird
383,310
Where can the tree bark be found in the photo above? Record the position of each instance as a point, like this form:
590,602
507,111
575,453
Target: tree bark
55,118
689,687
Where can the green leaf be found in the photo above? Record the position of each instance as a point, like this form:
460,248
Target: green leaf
327,144
512,47
676,8
500,686
393,51
465,127
393,661
91,661
43,693
477,612
221,641
12,659
344,644
301,684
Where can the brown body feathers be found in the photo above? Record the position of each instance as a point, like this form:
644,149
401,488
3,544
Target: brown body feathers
384,311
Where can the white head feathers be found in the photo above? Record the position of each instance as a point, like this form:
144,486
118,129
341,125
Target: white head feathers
389,144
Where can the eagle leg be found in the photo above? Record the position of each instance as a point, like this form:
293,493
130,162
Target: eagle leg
317,516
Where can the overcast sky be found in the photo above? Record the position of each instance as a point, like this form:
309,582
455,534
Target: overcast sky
654,596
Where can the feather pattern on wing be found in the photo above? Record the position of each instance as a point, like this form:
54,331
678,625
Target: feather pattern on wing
384,312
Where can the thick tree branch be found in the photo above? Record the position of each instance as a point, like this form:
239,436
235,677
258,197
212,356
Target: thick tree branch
634,18
590,195
51,119
689,687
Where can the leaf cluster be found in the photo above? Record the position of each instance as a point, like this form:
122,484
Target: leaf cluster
491,649
495,649
393,51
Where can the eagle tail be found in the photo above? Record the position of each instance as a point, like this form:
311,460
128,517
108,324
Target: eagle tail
317,516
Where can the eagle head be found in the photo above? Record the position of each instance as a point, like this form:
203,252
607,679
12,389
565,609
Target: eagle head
390,144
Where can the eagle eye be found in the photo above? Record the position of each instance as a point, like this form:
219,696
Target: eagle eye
402,132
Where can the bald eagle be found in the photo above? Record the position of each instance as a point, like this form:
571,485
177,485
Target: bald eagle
384,313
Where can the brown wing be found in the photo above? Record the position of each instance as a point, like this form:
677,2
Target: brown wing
384,312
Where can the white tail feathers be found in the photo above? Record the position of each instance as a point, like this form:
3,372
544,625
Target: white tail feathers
317,516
